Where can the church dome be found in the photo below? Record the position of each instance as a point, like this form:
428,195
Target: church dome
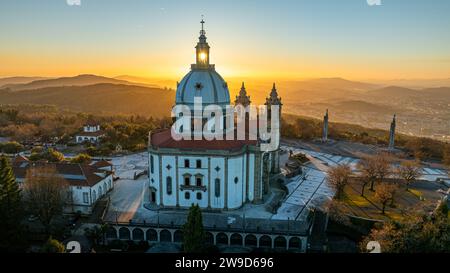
204,83
203,80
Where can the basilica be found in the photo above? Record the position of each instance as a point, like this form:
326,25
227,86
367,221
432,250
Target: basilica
216,174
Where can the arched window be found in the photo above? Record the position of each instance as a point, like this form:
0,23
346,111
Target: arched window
169,185
198,181
199,196
187,180
187,195
236,180
217,187
152,166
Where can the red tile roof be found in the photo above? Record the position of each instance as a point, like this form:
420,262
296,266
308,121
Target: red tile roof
75,174
102,163
98,133
163,139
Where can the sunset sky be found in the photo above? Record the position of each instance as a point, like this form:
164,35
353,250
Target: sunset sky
251,38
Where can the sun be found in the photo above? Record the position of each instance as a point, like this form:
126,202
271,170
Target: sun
202,56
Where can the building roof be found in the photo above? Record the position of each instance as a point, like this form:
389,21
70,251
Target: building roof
75,174
19,159
91,134
204,83
91,122
163,139
102,163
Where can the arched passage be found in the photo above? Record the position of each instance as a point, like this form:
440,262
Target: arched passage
178,236
124,233
138,234
111,233
280,242
265,241
250,240
236,239
152,235
209,238
295,243
165,236
222,239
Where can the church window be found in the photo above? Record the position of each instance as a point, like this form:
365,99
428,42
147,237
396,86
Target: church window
85,197
236,180
186,163
199,164
187,195
199,196
152,166
217,187
198,181
169,185
187,180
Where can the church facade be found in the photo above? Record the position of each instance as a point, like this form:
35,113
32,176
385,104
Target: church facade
216,174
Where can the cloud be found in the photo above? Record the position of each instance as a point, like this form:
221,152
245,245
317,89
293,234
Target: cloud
374,2
73,2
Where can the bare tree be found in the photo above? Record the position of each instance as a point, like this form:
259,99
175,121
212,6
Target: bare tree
409,171
339,176
382,168
45,194
368,168
385,193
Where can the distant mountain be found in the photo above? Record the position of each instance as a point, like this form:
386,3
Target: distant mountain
80,80
128,78
18,80
104,98
392,93
334,84
417,83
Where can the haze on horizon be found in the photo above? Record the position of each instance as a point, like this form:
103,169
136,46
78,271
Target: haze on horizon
274,40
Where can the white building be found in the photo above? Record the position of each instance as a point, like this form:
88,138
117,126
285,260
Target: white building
87,182
91,133
215,174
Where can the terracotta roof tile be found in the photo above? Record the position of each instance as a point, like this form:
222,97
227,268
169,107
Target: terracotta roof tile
163,139
74,174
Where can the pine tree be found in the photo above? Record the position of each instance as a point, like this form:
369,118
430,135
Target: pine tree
11,209
193,233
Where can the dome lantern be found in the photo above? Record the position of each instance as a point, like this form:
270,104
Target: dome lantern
203,80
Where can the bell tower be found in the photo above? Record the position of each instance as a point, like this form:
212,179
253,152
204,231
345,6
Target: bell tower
202,50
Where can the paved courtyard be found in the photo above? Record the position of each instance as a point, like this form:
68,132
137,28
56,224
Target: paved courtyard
304,192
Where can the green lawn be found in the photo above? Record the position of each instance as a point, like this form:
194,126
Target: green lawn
368,207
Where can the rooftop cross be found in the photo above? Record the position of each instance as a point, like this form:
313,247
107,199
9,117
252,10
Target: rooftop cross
202,32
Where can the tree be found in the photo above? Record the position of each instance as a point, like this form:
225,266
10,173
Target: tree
193,233
368,168
409,171
46,193
12,147
97,233
382,168
422,233
81,158
339,176
385,193
11,208
53,156
49,155
446,155
53,246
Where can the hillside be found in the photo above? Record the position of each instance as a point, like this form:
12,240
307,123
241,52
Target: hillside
102,98
18,80
80,80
